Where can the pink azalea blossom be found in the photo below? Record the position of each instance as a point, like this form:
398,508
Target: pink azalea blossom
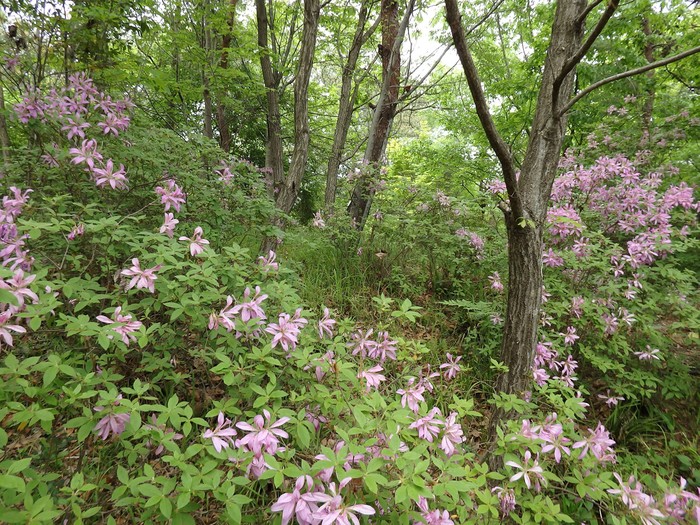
141,278
171,195
295,504
263,435
318,220
326,324
648,354
169,223
334,511
222,436
372,376
428,426
111,423
412,395
450,367
124,326
496,283
106,175
197,243
531,473
432,517
452,436
6,329
599,443
268,263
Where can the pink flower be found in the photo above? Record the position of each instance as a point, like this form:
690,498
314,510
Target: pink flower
433,517
112,422
412,395
167,431
527,470
325,325
295,503
372,376
268,263
428,426
570,337
599,443
384,349
609,399
169,223
77,231
222,436
197,244
106,175
171,195
452,436
649,354
285,333
496,283
334,510
451,367
6,328
262,434
318,220
361,343
18,285
124,325
141,278
251,309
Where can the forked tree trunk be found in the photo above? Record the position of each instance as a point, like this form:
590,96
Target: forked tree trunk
346,103
392,37
289,191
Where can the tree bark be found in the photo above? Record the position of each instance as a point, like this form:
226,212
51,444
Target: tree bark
222,122
346,104
529,195
4,137
292,184
273,142
390,51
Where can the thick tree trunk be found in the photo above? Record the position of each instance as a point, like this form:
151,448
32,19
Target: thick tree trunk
345,105
524,298
390,50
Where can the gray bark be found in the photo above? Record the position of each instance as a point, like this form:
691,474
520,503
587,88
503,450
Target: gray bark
346,104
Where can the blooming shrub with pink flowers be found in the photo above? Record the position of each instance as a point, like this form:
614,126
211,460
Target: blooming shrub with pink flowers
157,369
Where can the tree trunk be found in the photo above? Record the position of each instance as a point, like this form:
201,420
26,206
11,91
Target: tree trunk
222,122
648,110
4,137
390,51
273,142
346,104
292,184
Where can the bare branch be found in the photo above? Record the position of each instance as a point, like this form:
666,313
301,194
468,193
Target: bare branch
630,73
482,109
581,52
590,7
483,18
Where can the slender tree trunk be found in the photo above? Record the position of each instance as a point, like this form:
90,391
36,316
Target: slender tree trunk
390,50
273,142
648,110
290,190
346,104
206,94
4,137
222,121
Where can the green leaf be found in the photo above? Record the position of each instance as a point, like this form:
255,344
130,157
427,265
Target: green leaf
12,482
8,297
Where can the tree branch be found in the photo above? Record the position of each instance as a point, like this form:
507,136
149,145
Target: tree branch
482,110
581,52
630,73
590,7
